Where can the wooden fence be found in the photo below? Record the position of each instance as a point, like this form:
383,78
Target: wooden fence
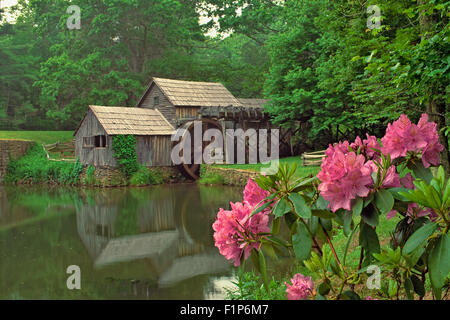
313,158
62,148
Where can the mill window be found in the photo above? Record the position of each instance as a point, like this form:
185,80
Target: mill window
100,141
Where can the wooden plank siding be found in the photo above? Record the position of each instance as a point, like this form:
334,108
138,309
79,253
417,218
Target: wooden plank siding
89,127
164,106
187,113
153,151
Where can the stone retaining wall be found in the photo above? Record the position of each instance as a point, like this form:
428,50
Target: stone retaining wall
11,149
234,177
105,176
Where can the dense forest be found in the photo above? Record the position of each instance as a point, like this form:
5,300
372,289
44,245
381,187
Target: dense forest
331,69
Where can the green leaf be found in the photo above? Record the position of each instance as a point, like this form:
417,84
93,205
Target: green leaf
263,269
384,201
358,206
370,216
268,248
325,214
276,226
281,208
255,259
418,285
277,241
300,205
324,288
313,223
261,208
326,223
368,239
350,295
347,222
409,289
396,193
439,263
421,172
302,242
291,221
419,237
412,258
321,204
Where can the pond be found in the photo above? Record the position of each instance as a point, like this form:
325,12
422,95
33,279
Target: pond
130,243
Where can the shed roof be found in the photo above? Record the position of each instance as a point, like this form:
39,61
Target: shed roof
253,103
136,121
194,93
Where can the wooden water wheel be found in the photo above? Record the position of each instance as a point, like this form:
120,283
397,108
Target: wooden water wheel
191,170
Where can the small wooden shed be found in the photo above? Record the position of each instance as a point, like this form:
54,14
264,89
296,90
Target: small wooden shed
93,137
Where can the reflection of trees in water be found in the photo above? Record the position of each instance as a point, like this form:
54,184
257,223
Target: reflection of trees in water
20,203
169,227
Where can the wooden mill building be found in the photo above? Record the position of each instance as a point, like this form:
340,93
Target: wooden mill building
93,137
166,105
180,101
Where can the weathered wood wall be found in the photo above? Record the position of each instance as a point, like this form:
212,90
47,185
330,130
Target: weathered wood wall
91,155
164,105
187,113
153,151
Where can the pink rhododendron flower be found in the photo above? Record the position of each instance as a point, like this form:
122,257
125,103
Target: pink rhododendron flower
301,287
394,139
366,146
253,194
371,143
391,179
430,155
403,136
236,233
407,181
415,212
343,178
391,214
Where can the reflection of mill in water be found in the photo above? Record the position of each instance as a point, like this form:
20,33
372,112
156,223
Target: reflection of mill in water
173,235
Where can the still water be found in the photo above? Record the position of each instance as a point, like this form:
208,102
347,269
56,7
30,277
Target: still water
130,243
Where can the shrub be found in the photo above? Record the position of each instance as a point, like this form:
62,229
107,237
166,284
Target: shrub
248,287
209,179
359,183
145,176
90,176
124,148
34,167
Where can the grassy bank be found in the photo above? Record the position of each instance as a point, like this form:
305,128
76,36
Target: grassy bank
208,178
34,167
300,172
45,137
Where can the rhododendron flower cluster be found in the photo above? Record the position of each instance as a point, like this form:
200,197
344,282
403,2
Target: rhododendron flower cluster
344,176
403,136
346,171
235,232
301,287
253,194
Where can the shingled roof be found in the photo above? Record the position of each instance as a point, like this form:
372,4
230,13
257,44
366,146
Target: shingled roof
253,103
192,93
136,121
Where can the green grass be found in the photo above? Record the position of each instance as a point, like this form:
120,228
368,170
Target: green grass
211,179
34,167
300,172
46,137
